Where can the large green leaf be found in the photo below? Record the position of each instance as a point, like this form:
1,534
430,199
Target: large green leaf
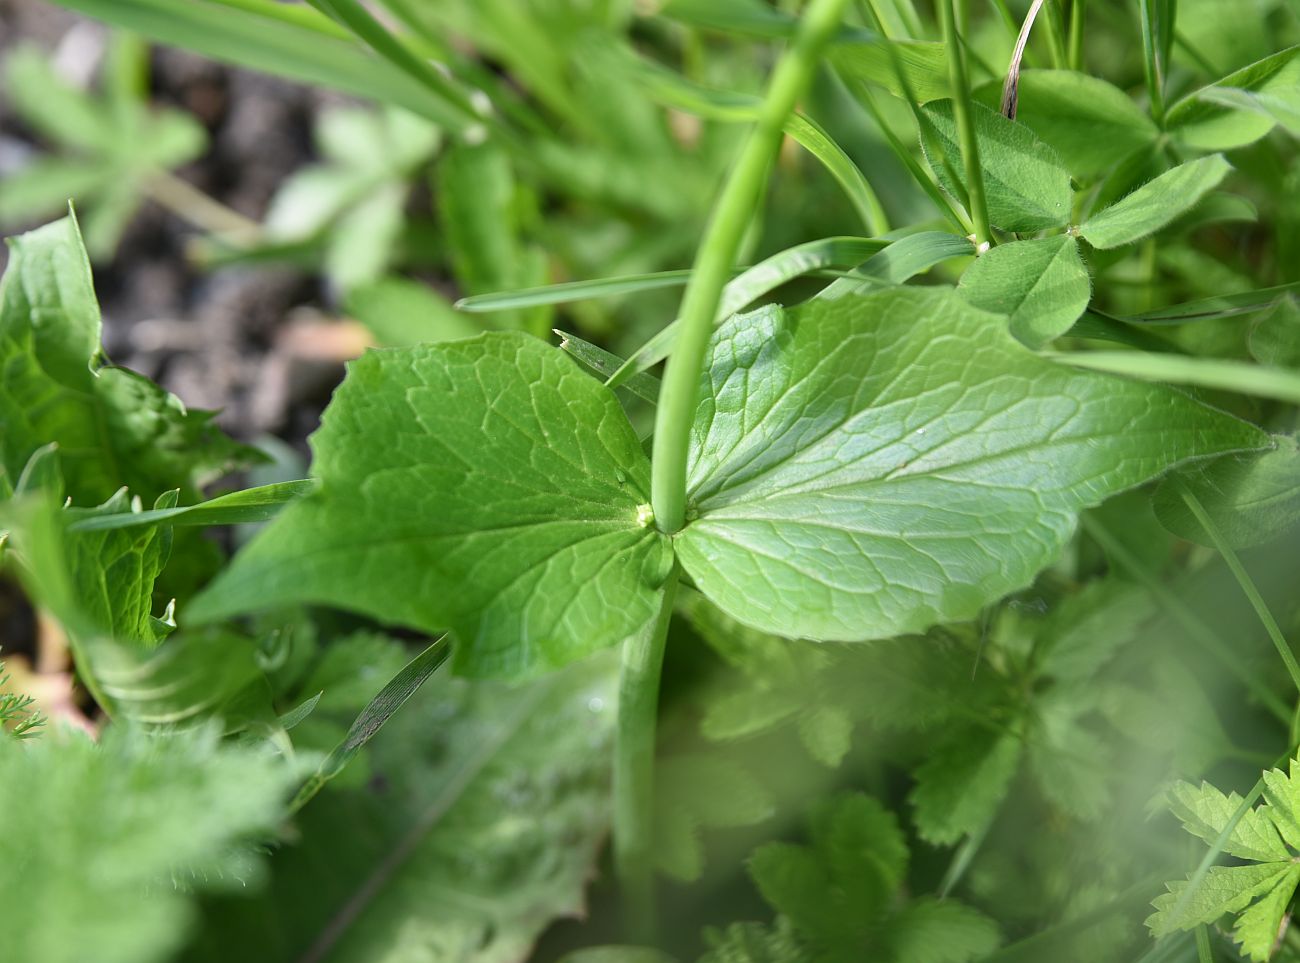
1040,285
113,427
872,465
1027,186
1090,123
1251,498
488,486
1156,203
481,823
102,842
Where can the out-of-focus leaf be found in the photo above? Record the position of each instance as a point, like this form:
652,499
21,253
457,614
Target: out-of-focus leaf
105,844
483,817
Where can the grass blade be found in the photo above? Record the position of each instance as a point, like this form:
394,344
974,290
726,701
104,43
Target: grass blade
249,505
961,106
381,708
673,90
269,42
605,364
568,291
1239,376
751,285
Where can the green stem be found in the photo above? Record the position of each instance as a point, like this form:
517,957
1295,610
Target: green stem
1152,60
1203,953
961,108
638,703
1076,34
1247,584
1195,629
716,257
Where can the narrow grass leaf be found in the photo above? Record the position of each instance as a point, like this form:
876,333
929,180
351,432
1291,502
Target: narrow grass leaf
247,505
390,698
605,364
1223,375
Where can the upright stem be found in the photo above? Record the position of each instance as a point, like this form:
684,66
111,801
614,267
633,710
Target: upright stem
1153,59
1076,34
716,257
638,700
961,109
1247,585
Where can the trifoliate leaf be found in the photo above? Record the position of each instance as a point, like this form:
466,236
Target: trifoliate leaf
488,486
1026,185
1156,203
101,842
870,466
1040,285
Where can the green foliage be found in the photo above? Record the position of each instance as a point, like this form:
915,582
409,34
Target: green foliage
841,893
110,146
18,718
942,473
104,843
1265,837
1028,186
479,826
354,200
538,524
1041,285
113,428
1155,204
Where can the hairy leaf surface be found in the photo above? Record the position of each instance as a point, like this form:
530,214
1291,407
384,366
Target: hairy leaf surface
1040,285
1156,203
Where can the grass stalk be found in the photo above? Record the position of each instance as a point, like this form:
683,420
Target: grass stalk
961,106
717,256
1075,52
1152,61
638,703
1247,584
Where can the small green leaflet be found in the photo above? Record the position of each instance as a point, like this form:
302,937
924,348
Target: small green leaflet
1156,203
1040,285
1267,837
1091,124
1028,187
1242,107
872,465
488,486
924,65
842,893
1252,498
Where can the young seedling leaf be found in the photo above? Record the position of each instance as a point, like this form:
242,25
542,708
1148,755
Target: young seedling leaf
1028,187
1040,285
1252,499
486,486
1156,203
870,466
